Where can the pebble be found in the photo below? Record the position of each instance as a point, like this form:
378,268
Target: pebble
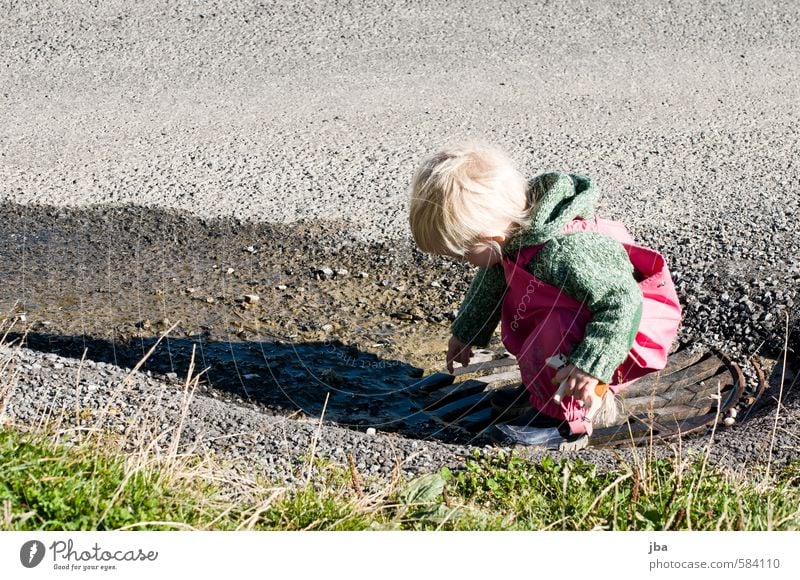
324,273
251,298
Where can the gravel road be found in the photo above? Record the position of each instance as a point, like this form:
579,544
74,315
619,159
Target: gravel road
220,116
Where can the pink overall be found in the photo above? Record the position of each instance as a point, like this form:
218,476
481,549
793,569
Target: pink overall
539,321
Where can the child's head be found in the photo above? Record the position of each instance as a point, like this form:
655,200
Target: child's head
464,196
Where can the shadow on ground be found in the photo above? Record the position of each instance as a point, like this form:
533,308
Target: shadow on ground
362,390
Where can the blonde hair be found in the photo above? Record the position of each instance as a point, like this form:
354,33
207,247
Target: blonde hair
462,193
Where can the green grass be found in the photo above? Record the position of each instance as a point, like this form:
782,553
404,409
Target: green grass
509,493
47,485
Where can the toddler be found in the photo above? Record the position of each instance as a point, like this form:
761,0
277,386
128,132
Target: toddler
560,280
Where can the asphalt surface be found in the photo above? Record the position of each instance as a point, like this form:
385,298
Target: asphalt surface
685,113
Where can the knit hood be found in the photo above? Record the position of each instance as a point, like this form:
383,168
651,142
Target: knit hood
556,200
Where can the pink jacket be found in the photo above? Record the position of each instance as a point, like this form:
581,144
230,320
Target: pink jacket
553,323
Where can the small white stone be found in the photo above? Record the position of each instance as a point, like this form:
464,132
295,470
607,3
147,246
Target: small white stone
251,298
371,431
230,271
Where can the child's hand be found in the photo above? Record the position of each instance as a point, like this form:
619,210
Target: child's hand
459,352
579,384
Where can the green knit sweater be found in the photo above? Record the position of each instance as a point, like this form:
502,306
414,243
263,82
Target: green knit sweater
588,266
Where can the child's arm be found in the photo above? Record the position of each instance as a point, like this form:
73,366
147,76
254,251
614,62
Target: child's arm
596,270
481,308
458,352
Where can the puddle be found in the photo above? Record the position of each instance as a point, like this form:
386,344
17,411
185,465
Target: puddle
331,316
124,273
